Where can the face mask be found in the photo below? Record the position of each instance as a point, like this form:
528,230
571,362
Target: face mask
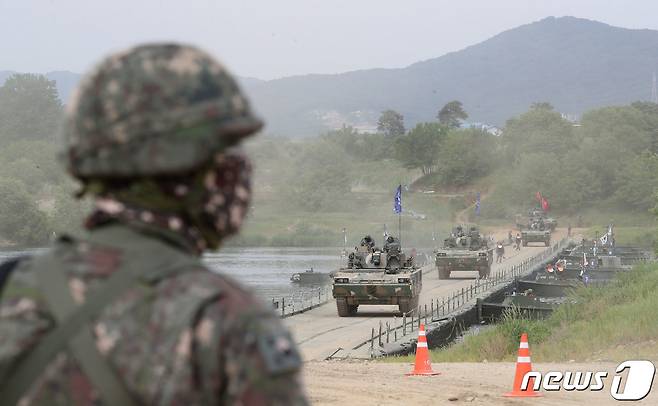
205,206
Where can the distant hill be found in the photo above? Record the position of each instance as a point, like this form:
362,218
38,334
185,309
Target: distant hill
575,64
67,81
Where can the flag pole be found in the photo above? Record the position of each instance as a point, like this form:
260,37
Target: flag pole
397,207
400,224
400,217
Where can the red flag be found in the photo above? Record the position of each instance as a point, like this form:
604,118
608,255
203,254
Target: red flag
538,196
544,204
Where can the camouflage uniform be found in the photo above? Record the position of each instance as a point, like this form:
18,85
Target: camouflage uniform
134,316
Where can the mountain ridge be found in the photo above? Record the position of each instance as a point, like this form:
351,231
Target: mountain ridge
575,64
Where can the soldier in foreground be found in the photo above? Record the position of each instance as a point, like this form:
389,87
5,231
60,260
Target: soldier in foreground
128,315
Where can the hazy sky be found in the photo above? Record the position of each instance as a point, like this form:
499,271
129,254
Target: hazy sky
274,38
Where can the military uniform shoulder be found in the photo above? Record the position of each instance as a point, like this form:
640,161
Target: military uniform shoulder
256,352
7,268
17,279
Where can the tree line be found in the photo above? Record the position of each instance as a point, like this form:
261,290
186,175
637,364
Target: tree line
608,158
35,193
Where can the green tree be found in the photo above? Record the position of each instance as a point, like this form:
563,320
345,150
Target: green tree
542,106
420,147
29,107
391,123
609,139
33,162
466,155
538,131
650,113
21,222
637,182
452,114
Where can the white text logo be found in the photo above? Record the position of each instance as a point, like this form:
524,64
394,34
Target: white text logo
637,384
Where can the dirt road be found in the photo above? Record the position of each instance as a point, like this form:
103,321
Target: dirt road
379,383
320,333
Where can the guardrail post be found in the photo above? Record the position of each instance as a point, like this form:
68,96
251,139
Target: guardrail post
425,313
283,306
432,308
404,324
395,329
379,340
388,332
372,339
478,305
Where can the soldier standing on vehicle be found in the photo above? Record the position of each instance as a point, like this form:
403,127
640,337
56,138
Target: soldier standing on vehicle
128,314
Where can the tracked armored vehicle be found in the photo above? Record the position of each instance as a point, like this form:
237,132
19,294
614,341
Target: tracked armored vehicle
538,232
376,276
464,251
534,216
533,236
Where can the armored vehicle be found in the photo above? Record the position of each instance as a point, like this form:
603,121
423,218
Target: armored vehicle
464,251
375,276
535,216
528,236
538,232
310,277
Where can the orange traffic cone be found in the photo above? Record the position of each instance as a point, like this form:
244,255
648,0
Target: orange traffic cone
423,365
523,366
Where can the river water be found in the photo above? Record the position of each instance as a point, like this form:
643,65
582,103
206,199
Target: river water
265,270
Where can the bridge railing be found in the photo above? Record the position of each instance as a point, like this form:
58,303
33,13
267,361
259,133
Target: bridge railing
301,301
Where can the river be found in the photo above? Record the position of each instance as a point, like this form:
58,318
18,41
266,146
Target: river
265,270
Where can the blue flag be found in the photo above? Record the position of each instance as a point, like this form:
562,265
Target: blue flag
397,203
477,204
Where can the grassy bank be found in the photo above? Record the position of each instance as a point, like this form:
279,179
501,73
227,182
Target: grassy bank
274,224
613,322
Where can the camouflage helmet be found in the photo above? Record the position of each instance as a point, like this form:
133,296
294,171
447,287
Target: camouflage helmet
153,110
